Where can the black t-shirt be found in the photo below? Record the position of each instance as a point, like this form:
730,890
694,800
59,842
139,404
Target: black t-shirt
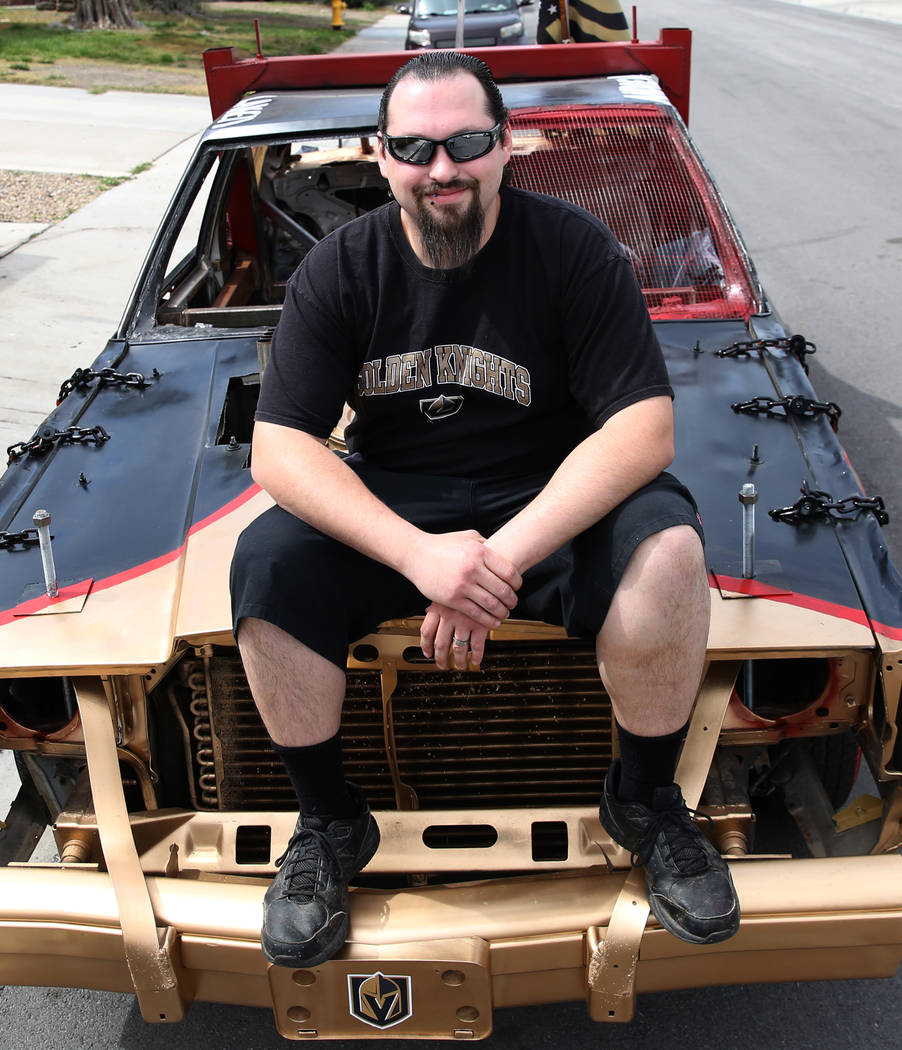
498,368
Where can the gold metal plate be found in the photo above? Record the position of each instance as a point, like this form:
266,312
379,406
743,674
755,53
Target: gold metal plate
430,989
861,810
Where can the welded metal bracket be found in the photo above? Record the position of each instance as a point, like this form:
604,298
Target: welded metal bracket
614,955
151,953
891,679
614,959
704,729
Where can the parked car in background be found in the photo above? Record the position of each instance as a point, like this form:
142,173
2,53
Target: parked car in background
487,23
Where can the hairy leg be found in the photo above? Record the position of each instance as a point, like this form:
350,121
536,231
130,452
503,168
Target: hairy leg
297,692
651,649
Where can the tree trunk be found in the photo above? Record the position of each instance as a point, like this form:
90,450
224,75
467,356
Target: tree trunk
171,7
102,14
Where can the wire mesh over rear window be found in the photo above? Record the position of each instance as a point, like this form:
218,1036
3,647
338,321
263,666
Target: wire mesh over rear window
634,168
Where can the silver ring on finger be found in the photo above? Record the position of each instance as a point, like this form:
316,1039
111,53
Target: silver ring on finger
460,643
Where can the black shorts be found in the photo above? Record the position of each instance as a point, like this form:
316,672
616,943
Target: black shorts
328,595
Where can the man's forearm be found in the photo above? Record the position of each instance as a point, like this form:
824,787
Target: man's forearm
309,481
305,478
630,450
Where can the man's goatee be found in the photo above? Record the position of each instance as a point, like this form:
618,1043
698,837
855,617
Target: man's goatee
454,241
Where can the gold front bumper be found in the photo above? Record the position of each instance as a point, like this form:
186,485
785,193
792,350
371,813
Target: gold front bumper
460,951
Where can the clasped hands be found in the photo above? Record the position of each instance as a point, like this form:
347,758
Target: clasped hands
473,588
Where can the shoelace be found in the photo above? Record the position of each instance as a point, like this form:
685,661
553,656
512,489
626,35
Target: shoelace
682,836
306,851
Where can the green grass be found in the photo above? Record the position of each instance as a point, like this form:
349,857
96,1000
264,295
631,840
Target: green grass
30,36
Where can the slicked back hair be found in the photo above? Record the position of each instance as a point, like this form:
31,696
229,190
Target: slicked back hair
437,65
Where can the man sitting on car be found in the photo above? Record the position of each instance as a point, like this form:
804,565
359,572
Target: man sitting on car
513,425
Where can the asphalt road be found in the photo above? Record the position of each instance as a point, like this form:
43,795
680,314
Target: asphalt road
798,112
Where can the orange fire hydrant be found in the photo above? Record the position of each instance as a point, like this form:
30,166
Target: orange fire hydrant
337,7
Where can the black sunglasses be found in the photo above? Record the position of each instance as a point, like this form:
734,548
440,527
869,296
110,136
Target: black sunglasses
468,145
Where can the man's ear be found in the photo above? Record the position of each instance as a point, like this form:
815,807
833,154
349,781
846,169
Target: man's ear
380,154
507,142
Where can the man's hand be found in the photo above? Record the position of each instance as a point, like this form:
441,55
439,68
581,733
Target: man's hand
441,626
457,570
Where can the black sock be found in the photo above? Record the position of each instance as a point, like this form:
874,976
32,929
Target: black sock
317,777
646,763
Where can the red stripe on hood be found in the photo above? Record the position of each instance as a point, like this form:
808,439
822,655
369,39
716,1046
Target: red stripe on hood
35,604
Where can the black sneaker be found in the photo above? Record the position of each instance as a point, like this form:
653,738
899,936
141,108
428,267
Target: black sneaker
306,916
690,889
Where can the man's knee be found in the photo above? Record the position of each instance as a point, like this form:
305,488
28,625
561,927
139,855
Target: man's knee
678,550
665,581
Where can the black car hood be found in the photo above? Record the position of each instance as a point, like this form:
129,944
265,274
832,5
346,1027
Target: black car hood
144,523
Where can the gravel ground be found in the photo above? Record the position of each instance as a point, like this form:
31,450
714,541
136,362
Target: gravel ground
30,196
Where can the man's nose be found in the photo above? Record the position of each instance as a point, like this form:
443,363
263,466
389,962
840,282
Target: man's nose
442,168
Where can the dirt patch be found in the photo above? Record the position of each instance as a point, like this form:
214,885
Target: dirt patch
30,196
108,76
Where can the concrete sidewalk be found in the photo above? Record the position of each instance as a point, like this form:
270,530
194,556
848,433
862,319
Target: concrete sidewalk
71,131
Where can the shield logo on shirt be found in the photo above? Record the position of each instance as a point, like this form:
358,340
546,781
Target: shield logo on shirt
441,407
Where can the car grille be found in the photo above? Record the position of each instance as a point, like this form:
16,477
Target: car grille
479,41
533,728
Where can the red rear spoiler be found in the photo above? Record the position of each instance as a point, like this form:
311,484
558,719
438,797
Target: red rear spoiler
668,58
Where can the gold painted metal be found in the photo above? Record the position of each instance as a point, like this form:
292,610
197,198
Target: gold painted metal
861,810
891,677
802,919
206,842
75,851
405,796
130,698
891,832
149,952
770,627
614,957
101,637
203,597
733,843
143,773
543,937
435,989
704,729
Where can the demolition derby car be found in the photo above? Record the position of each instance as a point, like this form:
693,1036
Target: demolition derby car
123,697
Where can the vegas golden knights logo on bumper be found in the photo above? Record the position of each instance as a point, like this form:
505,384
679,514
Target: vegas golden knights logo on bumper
378,999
